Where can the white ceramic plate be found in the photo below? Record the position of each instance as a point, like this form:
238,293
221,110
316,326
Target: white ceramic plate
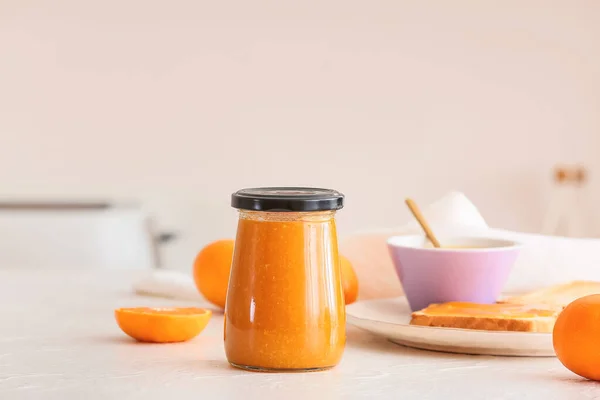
390,318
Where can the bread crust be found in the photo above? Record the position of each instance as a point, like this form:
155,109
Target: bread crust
534,324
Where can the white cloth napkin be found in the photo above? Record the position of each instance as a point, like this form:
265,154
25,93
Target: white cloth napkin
544,260
548,260
170,284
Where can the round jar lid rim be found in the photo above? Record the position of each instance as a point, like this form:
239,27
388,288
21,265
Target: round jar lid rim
287,199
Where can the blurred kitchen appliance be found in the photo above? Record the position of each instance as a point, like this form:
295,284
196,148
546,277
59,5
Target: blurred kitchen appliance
78,234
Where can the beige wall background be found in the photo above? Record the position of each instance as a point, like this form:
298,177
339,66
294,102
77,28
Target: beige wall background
180,103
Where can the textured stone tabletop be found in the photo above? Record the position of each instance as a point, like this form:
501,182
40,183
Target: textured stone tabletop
59,340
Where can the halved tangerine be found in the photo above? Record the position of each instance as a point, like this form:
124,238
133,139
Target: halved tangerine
162,325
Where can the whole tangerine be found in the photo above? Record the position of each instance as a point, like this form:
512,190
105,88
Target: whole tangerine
575,337
211,271
349,280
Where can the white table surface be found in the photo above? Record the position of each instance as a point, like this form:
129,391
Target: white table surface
59,340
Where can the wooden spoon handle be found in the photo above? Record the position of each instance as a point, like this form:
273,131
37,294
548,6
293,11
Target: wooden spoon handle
421,220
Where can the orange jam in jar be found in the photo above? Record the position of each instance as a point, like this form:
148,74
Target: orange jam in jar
285,304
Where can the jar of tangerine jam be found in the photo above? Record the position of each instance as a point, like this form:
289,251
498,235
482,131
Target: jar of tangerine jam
285,304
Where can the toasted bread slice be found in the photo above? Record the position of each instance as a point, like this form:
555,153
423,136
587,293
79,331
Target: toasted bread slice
558,295
488,317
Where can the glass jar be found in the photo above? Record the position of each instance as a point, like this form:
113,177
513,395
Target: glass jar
285,304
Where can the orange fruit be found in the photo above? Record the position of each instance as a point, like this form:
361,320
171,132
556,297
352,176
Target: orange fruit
575,337
349,281
211,271
213,265
162,325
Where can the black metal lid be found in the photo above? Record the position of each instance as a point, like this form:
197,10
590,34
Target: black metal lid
282,199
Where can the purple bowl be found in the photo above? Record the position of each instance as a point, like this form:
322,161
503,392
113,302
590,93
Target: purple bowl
476,273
